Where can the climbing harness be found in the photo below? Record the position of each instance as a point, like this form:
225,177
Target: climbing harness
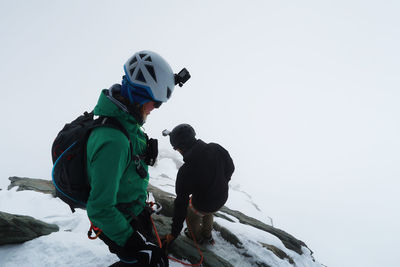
97,231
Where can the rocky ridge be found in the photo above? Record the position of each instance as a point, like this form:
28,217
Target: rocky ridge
183,248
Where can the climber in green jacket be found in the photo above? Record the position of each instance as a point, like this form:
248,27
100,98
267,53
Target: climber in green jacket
117,167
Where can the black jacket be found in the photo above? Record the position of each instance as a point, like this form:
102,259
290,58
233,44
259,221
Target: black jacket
204,175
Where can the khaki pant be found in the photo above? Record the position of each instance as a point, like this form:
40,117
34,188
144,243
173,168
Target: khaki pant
200,223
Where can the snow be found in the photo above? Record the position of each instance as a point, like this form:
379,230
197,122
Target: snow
71,247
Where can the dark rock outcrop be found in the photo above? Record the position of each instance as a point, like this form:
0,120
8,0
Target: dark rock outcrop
183,248
278,252
38,185
17,228
165,199
288,240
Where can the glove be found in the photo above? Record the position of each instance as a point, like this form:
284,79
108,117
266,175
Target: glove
167,240
147,253
136,242
152,256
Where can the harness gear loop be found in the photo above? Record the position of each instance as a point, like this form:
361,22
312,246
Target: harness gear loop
94,229
158,207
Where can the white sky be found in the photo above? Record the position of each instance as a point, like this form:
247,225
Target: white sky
304,94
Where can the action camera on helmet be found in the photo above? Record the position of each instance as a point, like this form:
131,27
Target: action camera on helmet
182,77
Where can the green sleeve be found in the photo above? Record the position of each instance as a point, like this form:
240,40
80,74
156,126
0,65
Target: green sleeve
107,159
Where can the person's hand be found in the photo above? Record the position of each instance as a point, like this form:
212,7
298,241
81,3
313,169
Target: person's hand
152,256
136,242
167,240
145,252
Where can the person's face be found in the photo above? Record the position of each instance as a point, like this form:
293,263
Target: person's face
147,109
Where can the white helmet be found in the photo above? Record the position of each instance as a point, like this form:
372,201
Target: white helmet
149,71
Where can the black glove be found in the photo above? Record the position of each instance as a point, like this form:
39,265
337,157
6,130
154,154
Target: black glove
147,253
151,151
152,256
136,242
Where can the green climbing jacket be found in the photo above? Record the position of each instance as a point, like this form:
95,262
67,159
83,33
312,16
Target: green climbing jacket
112,173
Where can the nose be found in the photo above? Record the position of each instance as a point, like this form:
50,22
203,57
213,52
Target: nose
150,107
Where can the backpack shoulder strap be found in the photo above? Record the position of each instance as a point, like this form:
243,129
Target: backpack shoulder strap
114,123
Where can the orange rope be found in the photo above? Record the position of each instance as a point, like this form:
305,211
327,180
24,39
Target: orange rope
92,227
172,258
155,230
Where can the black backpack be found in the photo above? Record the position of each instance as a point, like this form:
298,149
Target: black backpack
68,152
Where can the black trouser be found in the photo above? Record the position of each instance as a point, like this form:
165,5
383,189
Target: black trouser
141,223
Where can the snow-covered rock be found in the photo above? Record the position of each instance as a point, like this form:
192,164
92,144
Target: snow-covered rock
19,228
241,240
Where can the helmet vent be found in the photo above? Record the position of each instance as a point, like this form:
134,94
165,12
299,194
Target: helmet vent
133,61
150,69
149,59
131,71
169,92
142,55
140,77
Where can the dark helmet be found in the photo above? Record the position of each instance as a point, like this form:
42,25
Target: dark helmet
181,137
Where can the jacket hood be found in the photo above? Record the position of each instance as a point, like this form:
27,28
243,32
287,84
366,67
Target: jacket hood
106,107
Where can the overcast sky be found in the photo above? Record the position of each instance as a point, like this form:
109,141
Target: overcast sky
304,95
